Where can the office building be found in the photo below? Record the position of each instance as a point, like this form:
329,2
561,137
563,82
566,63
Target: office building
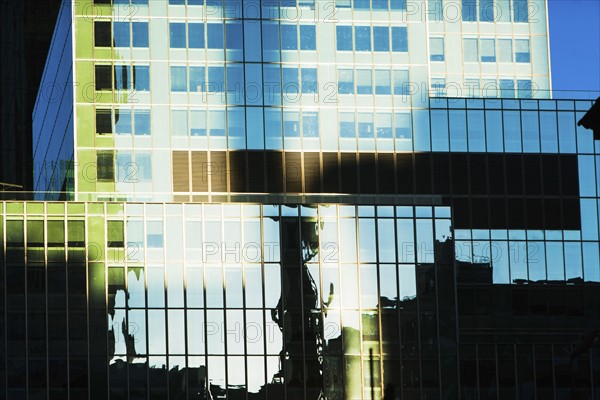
303,199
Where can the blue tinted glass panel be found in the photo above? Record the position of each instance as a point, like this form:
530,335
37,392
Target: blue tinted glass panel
177,35
215,36
234,35
364,81
196,36
141,77
140,34
347,125
522,51
289,37
270,36
197,79
345,81
507,88
121,34
521,11
469,10
344,38
381,4
381,37
290,80
398,4
310,124
178,79
524,89
142,122
399,39
308,37
309,80
362,4
216,79
486,10
123,121
362,38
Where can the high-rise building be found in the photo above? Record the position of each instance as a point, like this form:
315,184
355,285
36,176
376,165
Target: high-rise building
296,199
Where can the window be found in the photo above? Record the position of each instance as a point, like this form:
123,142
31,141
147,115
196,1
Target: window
309,80
345,81
178,79
469,10
520,11
507,88
289,37
362,38
270,35
362,4
142,122
347,125
398,5
383,84
291,124
179,122
105,162
234,35
343,3
384,125
381,4
139,32
103,122
344,38
217,122
143,163
488,50
103,74
364,84
141,78
402,125
310,124
365,125
472,87
122,74
438,85
471,53
121,34
486,10
215,36
381,38
216,79
401,82
236,121
435,11
524,89
522,51
197,79
436,47
290,81
399,39
505,50
115,234
177,35
102,36
198,123
196,36
123,121
308,37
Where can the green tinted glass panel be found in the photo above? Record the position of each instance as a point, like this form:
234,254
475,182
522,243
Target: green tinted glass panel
35,208
115,234
14,208
56,232
35,233
76,233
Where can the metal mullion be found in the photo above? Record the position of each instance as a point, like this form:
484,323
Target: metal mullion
283,330
166,297
224,308
263,296
204,325
185,305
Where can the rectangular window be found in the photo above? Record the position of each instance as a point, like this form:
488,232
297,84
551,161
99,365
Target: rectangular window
486,10
505,53
436,47
361,4
197,79
270,35
308,37
401,82
216,119
141,78
290,81
291,124
435,11
398,5
347,125
522,51
345,81
362,35
234,35
364,84
179,122
381,4
366,127
402,125
309,80
142,122
123,121
103,122
520,11
196,36
122,73
198,123
143,163
289,37
399,39
177,35
524,89
103,75
310,124
216,79
121,34
472,87
236,122
469,10
384,125
179,79
140,34
105,165
488,50
381,38
471,52
102,36
507,88
215,36
344,38
383,83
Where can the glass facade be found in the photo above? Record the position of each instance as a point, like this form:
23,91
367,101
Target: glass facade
303,199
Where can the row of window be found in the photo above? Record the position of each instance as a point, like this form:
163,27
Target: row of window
123,121
126,167
495,10
379,81
376,38
496,50
372,4
121,34
474,87
370,125
122,77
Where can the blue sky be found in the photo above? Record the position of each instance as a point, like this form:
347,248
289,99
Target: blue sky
575,45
